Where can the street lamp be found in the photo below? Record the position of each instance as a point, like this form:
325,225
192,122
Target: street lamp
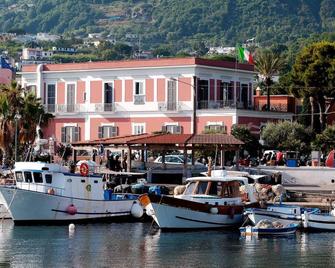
194,88
17,117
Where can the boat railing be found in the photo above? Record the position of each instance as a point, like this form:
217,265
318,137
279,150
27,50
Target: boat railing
41,187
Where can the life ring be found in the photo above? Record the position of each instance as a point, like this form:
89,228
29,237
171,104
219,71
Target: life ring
84,170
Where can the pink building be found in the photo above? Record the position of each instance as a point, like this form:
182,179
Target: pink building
6,76
181,95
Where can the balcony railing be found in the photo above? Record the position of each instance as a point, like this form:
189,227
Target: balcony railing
220,104
139,99
79,108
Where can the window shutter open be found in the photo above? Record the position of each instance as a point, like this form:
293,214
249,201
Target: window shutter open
207,128
76,134
164,129
63,136
100,132
178,129
113,131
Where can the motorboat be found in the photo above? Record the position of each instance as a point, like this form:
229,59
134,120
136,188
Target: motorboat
284,213
266,227
319,221
48,192
207,202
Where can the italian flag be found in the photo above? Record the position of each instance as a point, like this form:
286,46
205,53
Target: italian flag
245,55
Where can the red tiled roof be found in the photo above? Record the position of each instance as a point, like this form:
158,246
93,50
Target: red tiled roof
161,62
215,139
163,139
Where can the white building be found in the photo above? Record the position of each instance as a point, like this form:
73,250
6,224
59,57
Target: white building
35,54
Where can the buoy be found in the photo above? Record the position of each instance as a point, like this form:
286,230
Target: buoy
72,227
214,210
84,169
144,200
136,210
71,209
51,191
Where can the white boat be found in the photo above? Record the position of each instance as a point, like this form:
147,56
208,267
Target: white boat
319,221
207,202
285,213
272,230
50,193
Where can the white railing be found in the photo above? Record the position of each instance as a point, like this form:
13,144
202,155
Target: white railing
79,108
139,99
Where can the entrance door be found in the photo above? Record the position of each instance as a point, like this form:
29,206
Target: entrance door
70,97
171,96
202,94
108,106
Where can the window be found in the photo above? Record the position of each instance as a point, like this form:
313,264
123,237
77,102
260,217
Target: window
190,188
226,93
70,98
138,128
107,132
173,129
48,178
19,176
202,186
38,177
139,95
51,98
216,128
27,176
108,93
70,134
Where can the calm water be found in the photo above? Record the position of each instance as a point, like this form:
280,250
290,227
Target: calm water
137,245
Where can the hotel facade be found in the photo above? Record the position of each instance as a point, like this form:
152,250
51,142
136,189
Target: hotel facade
180,95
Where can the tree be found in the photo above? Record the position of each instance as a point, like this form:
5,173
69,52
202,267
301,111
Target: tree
251,143
325,141
286,135
267,65
15,100
313,77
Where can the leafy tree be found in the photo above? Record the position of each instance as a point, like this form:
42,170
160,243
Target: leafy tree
313,77
325,141
15,100
251,143
267,65
286,135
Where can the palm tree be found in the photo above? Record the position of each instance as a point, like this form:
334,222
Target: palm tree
268,64
15,100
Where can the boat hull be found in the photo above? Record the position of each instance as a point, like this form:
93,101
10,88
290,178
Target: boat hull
319,222
249,230
169,213
30,206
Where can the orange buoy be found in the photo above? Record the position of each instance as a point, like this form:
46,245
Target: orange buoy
144,200
51,191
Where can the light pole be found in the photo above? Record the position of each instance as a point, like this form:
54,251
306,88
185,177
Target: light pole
17,117
194,88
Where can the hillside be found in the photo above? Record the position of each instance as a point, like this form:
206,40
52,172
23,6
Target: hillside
181,23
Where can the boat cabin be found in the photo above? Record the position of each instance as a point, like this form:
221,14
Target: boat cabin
57,180
222,191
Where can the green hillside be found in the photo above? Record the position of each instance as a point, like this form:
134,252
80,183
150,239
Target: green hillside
181,23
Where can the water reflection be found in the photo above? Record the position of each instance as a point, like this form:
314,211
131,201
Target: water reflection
137,245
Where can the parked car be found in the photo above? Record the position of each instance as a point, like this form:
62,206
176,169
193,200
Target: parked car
175,159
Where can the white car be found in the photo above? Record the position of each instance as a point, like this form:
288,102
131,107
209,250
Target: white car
175,159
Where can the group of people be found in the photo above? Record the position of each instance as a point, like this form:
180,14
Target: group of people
115,164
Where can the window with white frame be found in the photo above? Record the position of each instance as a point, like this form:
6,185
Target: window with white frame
51,98
139,92
107,131
216,127
70,134
138,128
172,128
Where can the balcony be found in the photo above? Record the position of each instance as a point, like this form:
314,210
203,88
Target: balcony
139,99
221,104
80,108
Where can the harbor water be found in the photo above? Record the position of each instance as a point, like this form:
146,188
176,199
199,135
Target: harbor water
139,245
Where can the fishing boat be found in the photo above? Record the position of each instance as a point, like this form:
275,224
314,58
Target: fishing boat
207,202
319,221
284,213
46,192
266,227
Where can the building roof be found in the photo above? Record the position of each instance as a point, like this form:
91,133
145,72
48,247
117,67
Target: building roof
143,63
165,139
